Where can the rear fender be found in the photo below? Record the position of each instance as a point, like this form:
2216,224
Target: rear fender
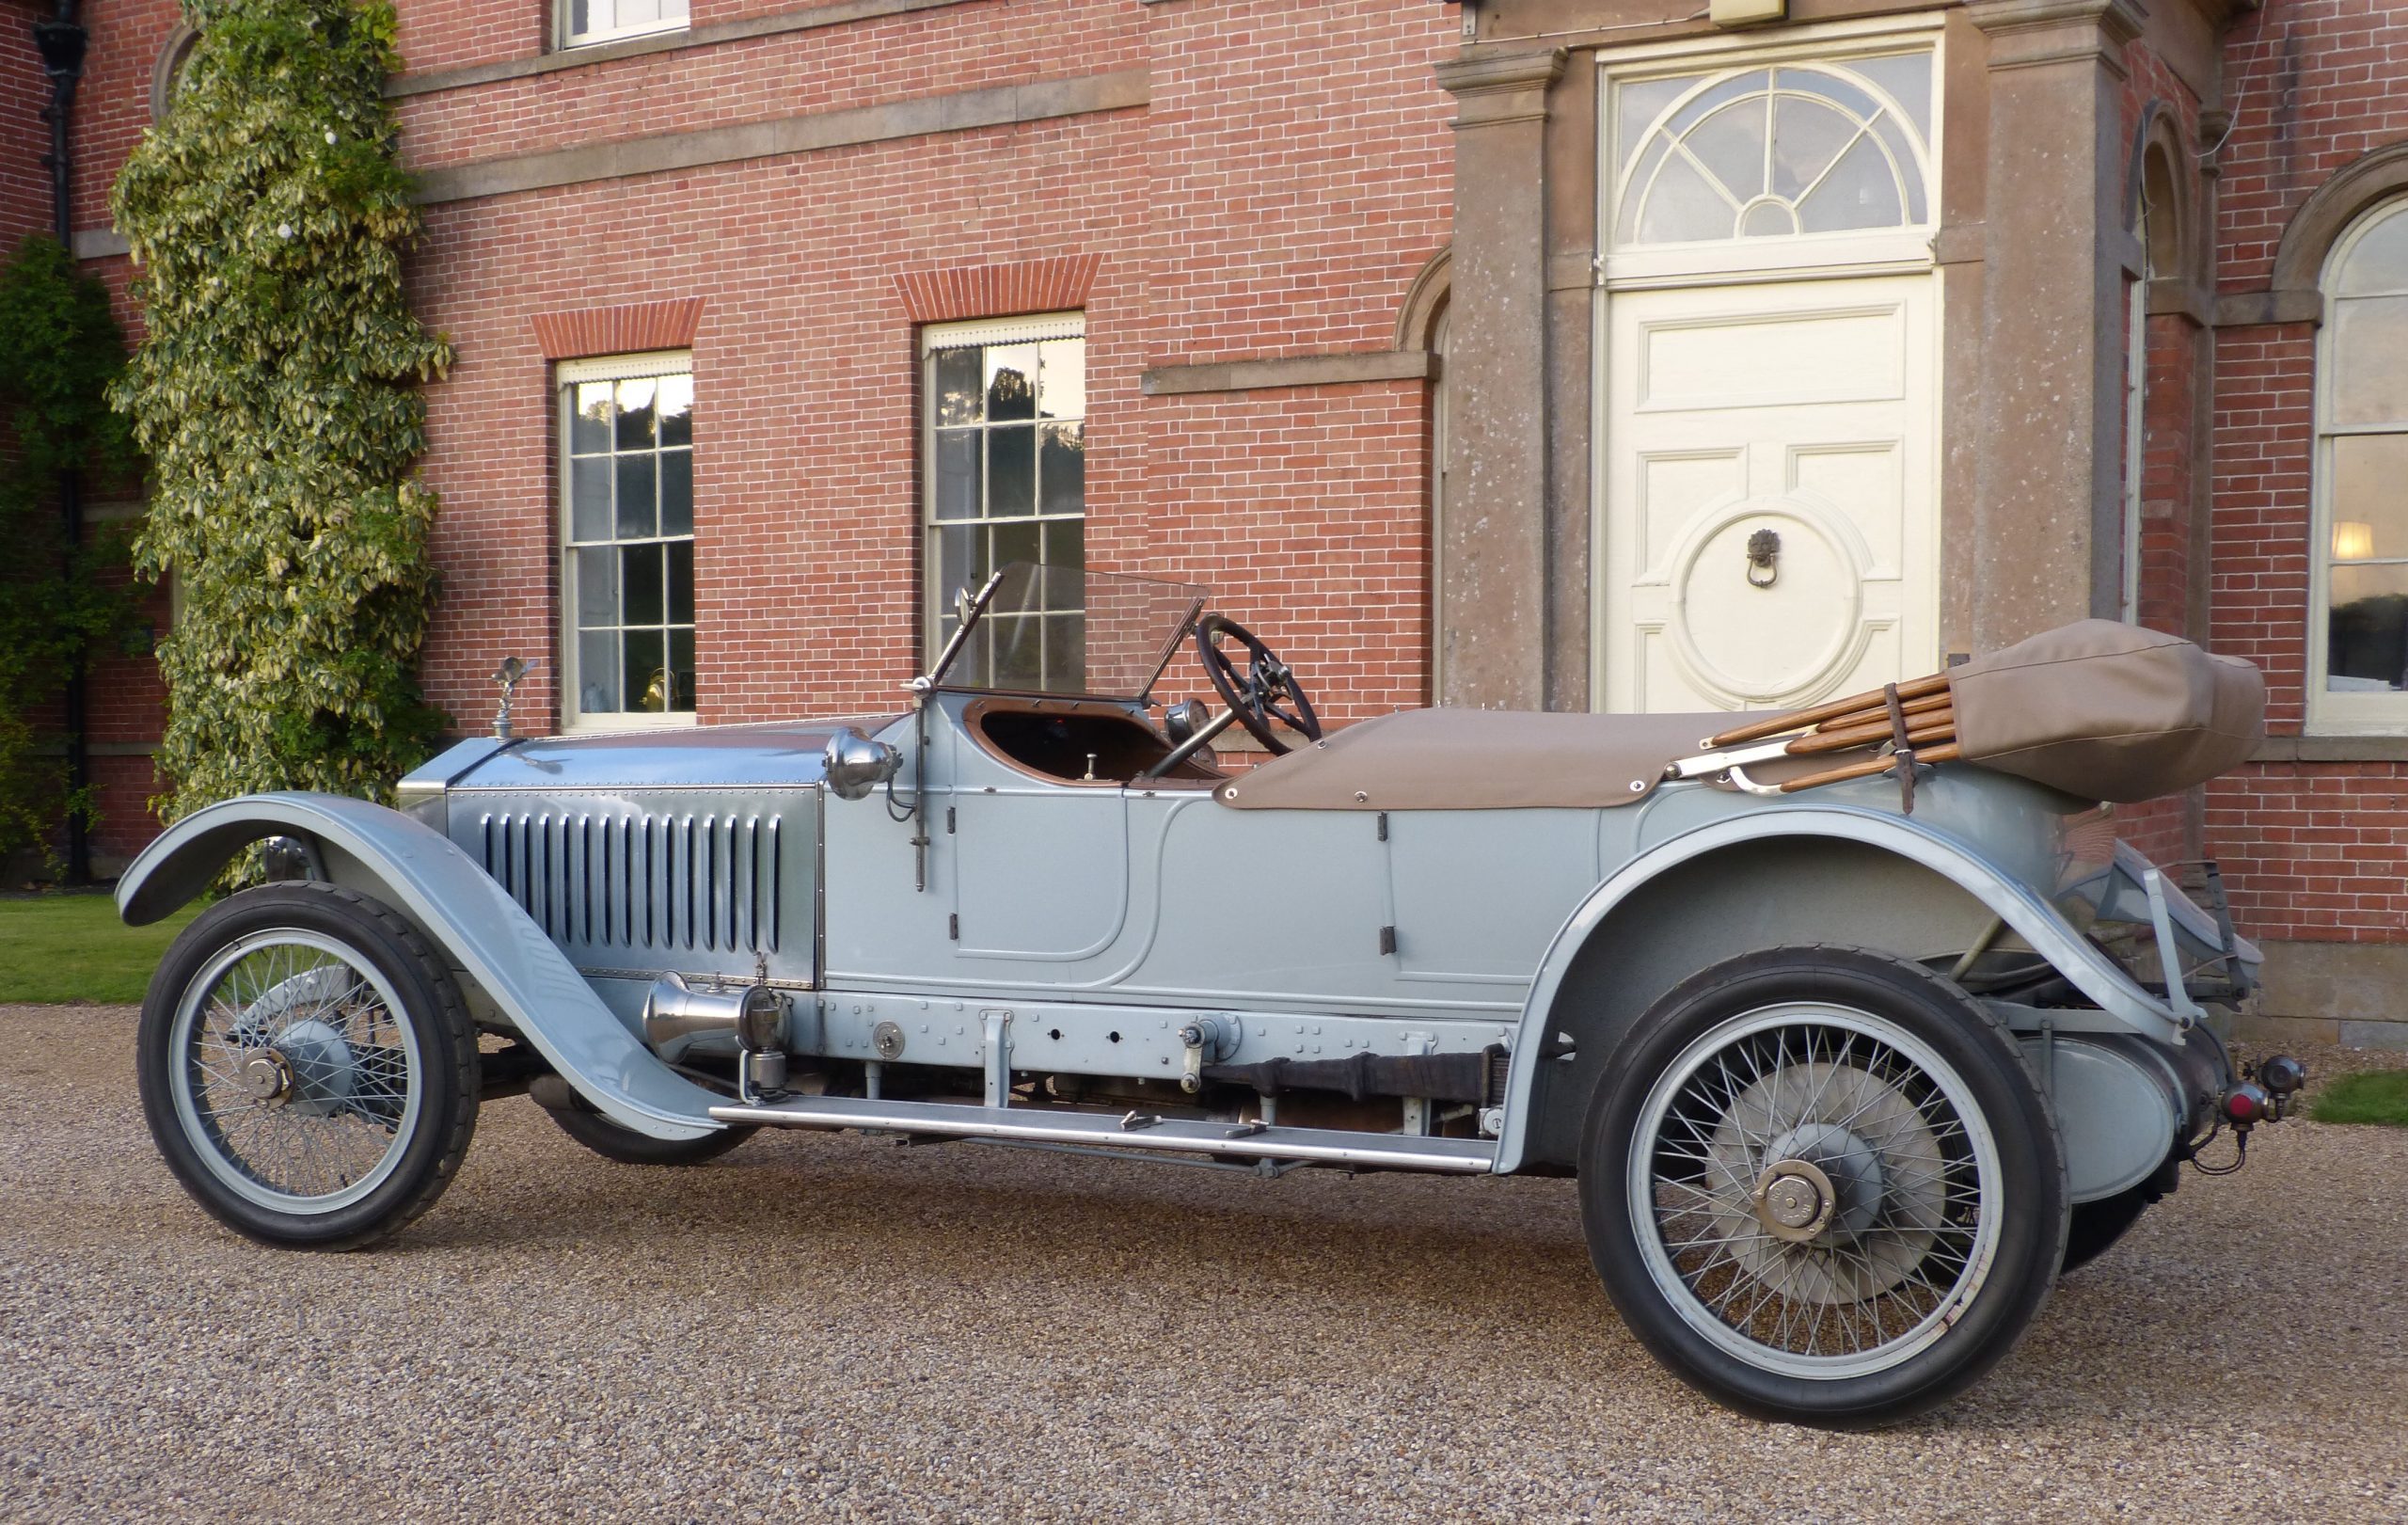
460,907
1875,880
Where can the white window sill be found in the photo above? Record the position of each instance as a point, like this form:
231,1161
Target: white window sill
596,40
627,721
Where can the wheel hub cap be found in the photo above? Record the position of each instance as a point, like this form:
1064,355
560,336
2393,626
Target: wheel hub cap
1795,1199
267,1075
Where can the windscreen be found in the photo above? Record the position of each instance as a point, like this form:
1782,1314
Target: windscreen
1064,629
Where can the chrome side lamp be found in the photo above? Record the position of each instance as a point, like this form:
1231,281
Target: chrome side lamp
857,765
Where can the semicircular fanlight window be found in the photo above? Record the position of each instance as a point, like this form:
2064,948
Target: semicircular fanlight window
1774,152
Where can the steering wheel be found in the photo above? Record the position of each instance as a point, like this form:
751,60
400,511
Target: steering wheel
1267,691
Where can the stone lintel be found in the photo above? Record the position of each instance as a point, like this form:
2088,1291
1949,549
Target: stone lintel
2251,309
998,106
1290,371
2317,749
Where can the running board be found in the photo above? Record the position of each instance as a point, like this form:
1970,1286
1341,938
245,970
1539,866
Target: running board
1137,1131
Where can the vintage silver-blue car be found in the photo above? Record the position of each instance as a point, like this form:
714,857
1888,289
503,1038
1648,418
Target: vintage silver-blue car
1855,1023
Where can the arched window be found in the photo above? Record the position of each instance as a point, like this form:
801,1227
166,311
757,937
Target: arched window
1797,148
2358,637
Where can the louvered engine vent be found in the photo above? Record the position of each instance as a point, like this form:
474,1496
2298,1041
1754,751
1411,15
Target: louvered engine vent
632,882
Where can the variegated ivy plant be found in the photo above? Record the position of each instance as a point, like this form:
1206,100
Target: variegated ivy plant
275,391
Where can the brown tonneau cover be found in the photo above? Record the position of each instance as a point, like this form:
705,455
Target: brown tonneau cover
2098,709
2109,711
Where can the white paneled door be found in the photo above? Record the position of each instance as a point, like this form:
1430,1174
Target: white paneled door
1769,529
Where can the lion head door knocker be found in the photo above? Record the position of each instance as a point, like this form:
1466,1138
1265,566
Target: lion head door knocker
507,676
1764,548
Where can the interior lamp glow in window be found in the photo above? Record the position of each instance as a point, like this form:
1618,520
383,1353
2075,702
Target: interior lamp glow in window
2353,540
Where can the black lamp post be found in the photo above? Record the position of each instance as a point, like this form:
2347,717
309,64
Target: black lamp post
60,41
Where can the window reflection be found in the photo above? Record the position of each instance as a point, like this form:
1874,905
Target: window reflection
1006,482
628,565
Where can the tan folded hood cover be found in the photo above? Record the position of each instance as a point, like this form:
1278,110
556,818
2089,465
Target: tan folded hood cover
2109,711
1475,759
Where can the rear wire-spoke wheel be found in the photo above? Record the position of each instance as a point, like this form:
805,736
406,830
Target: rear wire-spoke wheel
306,1067
1821,1186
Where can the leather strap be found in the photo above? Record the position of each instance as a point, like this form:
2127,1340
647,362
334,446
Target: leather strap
1902,750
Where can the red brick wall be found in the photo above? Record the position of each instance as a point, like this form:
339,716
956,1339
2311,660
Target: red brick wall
2314,851
25,185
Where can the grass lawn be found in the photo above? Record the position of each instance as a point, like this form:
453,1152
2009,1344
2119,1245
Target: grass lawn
2376,1096
71,947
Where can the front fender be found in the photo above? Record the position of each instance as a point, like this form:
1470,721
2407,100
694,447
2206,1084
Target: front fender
2009,898
421,874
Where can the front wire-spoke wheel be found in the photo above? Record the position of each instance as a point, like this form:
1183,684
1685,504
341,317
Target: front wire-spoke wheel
307,1068
1836,1195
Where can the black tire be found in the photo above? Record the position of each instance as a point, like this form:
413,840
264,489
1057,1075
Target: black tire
2097,1226
628,1147
428,1143
1763,997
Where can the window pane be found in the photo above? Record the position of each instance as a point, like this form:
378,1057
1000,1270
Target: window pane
1016,543
635,413
1062,468
597,587
1807,136
1638,106
674,10
1682,205
636,494
675,402
2370,354
588,429
681,668
597,671
581,17
676,492
1062,378
681,581
1859,192
1011,382
1712,96
2379,259
1011,473
1906,76
956,485
640,590
637,12
589,498
958,386
1066,657
2370,503
2365,645
958,564
1730,145
647,680
1066,545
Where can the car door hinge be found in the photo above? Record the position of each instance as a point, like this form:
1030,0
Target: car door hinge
953,926
1383,825
1388,940
948,820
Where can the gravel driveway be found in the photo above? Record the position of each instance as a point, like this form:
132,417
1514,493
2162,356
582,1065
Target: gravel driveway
837,1328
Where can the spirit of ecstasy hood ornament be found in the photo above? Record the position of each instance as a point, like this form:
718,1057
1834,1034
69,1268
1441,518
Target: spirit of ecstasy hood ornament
507,676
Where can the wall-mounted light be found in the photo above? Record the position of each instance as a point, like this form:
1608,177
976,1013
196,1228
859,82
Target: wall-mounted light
2353,540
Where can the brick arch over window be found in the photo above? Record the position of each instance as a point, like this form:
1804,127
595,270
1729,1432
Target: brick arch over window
997,291
2328,213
